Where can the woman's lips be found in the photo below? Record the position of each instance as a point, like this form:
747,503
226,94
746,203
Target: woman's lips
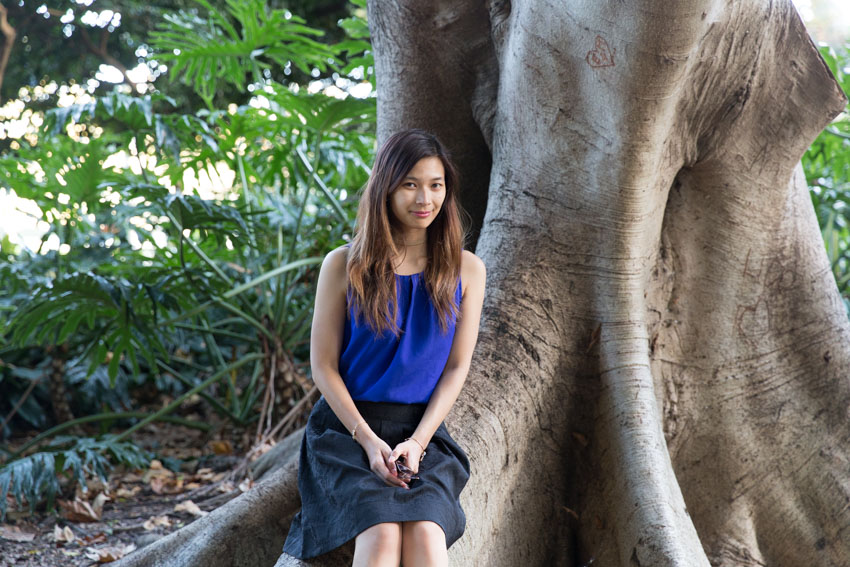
422,214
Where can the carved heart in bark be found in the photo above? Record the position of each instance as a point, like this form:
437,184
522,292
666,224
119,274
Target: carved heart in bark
601,55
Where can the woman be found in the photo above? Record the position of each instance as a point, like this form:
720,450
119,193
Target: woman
394,327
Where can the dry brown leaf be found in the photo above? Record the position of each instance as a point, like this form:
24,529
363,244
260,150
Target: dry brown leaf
155,522
79,511
190,507
98,503
226,487
246,484
262,449
205,474
110,553
127,492
131,477
156,472
94,486
63,535
221,447
156,464
100,537
14,533
167,484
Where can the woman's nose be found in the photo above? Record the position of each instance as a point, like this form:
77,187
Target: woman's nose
423,197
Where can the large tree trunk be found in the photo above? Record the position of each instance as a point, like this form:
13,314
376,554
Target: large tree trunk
661,376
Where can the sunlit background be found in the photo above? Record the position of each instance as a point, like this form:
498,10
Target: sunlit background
828,22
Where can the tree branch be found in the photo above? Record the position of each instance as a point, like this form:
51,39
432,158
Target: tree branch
104,54
835,132
9,34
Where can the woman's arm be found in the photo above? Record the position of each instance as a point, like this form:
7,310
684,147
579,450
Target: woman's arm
325,347
473,273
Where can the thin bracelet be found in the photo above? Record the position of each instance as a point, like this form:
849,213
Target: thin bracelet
422,456
354,431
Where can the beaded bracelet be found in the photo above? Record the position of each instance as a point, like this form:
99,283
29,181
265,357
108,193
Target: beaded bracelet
354,431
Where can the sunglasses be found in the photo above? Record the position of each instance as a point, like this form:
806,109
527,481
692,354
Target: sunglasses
405,473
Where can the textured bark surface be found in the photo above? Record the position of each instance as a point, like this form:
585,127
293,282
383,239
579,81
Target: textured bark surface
662,373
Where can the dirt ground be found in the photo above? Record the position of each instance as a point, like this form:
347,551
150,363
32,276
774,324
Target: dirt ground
122,528
133,508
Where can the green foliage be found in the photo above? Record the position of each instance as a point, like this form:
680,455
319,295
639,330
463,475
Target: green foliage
149,278
205,49
37,477
827,167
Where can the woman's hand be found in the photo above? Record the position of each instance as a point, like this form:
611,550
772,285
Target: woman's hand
409,452
378,454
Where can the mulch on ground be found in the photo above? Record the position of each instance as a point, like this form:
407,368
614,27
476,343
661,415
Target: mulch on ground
132,508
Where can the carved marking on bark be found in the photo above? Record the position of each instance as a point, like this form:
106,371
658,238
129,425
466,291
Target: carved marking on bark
753,321
781,275
736,553
751,271
601,55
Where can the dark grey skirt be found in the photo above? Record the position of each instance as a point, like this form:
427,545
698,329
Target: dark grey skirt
341,496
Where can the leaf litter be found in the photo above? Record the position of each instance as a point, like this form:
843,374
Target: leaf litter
108,520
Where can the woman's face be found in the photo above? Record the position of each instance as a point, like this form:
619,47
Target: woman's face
416,202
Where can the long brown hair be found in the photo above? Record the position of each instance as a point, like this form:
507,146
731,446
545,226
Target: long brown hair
372,290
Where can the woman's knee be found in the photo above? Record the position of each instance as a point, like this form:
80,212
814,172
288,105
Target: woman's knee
378,545
423,543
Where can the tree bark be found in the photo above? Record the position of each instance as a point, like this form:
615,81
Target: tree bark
661,375
9,35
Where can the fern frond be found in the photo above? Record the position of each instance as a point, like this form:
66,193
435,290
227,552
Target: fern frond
35,478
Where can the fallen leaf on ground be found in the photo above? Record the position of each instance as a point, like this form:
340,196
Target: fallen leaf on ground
205,474
190,507
226,487
92,539
94,486
221,447
246,484
110,553
131,477
261,450
127,492
98,503
62,535
157,472
155,522
14,533
167,484
79,511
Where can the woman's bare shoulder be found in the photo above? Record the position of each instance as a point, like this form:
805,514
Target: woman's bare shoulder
334,266
338,255
472,270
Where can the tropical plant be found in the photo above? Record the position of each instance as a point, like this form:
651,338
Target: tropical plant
152,277
827,167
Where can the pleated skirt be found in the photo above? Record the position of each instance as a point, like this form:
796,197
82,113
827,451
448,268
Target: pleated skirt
341,496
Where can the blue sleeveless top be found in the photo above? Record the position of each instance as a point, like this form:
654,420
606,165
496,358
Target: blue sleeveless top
403,369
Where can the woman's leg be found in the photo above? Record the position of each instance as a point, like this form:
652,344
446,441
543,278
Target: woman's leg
423,544
378,546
